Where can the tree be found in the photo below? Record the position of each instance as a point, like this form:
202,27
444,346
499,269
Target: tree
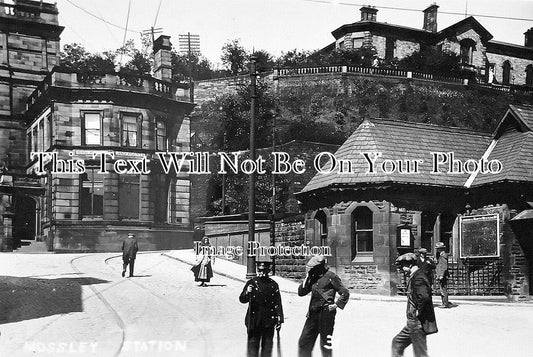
430,59
265,61
201,67
140,63
234,57
76,57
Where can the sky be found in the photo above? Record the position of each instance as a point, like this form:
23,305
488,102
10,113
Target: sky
273,25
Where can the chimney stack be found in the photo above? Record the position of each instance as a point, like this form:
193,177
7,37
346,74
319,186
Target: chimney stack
368,13
529,38
430,18
162,59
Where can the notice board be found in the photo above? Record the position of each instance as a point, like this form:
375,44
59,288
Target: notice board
480,236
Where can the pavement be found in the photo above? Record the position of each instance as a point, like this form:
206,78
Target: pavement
79,305
238,272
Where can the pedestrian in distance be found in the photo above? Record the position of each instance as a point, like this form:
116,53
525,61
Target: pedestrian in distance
265,311
323,286
442,273
129,253
426,264
203,271
420,314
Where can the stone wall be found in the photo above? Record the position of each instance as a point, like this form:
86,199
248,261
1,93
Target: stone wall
518,67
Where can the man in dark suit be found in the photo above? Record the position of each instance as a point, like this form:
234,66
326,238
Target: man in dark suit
426,264
442,273
420,314
129,253
323,285
265,311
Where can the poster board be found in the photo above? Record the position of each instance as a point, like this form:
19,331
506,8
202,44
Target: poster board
479,236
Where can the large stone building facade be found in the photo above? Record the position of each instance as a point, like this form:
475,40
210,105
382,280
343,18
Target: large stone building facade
55,187
486,59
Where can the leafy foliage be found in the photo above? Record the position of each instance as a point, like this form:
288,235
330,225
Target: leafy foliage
201,68
432,60
76,57
234,57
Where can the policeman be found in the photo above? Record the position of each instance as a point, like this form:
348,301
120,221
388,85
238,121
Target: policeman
323,284
265,311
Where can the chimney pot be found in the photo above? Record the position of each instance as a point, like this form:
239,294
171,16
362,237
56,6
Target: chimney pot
162,58
529,38
430,18
368,13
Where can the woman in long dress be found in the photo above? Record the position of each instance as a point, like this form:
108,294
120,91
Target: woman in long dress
203,272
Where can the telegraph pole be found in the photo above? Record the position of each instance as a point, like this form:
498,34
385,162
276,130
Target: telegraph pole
273,218
250,266
190,44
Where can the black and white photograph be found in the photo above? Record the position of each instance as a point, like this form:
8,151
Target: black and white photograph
274,178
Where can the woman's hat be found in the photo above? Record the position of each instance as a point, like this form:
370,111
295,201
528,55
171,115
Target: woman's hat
406,258
440,245
315,260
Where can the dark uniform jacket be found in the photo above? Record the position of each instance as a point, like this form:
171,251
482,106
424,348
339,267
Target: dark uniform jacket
420,302
442,265
323,292
129,248
265,303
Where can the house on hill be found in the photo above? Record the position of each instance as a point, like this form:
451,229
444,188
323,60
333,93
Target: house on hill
396,186
489,60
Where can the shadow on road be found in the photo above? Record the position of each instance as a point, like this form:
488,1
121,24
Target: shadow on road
23,298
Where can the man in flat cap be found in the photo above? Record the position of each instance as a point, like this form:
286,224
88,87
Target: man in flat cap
129,253
420,314
442,273
323,285
426,264
265,311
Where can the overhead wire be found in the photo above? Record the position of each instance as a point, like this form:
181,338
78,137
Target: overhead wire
417,10
101,18
157,13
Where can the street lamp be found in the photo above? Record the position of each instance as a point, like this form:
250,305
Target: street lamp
250,266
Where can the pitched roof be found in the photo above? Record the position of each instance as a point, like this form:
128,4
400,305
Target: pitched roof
469,22
398,140
513,147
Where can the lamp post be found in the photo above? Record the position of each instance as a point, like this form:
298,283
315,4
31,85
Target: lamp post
250,266
273,218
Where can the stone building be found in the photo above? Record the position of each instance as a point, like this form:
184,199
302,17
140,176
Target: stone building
487,59
65,195
395,186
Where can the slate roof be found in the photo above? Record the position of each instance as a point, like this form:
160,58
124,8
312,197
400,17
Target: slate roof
399,140
513,147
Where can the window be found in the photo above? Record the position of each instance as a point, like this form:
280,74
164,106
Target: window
35,138
92,193
161,136
42,137
91,129
49,131
130,129
529,76
467,51
357,42
128,196
506,72
321,227
363,232
160,198
390,44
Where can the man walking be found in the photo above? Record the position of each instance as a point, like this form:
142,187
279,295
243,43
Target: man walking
420,314
129,253
265,311
323,285
442,273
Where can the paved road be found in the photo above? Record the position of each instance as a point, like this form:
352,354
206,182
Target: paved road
63,305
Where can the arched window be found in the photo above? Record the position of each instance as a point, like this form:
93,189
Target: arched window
468,47
529,76
506,72
321,227
363,231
